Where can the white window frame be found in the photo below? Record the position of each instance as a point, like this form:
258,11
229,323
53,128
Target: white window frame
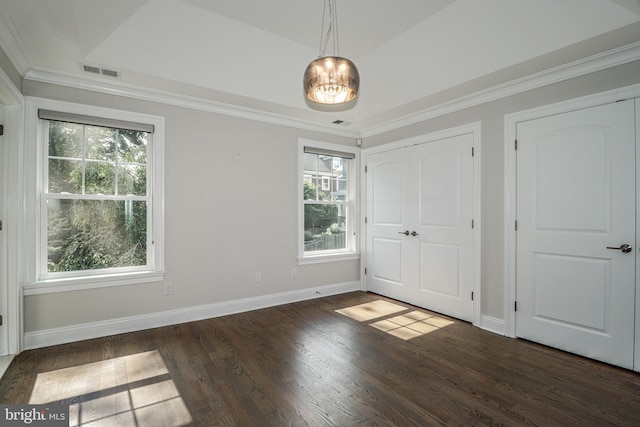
351,252
326,183
38,281
339,164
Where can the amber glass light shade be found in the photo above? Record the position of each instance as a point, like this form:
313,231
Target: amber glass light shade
331,80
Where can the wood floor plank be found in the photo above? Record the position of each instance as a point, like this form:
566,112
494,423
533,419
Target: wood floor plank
310,364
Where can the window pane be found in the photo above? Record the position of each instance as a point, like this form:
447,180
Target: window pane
100,178
339,180
310,177
324,227
96,234
101,143
325,177
132,146
132,179
65,140
65,176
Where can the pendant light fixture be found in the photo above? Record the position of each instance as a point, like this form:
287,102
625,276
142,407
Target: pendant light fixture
331,79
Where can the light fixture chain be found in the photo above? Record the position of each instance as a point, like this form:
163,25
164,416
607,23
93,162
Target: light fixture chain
334,16
332,29
323,46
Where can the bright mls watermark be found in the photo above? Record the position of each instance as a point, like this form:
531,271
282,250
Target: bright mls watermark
34,415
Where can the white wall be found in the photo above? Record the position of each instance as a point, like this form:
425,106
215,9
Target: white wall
230,209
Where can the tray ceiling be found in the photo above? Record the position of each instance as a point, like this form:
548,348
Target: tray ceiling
252,54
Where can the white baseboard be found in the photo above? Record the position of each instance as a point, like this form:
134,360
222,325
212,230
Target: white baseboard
492,324
55,336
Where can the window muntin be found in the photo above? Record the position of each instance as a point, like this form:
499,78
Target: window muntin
96,199
327,212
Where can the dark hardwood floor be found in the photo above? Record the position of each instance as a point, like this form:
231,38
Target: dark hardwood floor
346,360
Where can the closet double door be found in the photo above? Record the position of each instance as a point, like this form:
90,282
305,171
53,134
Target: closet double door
419,225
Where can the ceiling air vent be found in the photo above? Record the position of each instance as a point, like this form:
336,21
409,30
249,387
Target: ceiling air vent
100,71
91,69
110,73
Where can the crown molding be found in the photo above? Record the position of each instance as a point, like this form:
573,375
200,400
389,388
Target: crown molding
9,93
598,62
44,75
12,46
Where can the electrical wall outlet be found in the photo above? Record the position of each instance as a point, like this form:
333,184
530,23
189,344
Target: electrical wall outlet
258,277
168,288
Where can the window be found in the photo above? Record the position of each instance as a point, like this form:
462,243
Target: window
328,203
326,183
100,199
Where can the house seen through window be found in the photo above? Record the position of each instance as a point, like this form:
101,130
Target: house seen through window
327,201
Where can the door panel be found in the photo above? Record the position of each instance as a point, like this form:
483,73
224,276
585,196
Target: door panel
387,256
431,186
575,198
440,189
440,269
560,278
571,198
386,192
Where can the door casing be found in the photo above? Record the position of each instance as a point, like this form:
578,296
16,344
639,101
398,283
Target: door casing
10,282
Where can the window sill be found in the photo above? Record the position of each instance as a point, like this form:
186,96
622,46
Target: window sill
91,282
334,257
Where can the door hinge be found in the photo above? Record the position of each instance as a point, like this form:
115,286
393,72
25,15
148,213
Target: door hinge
471,295
0,320
0,225
515,306
366,168
365,219
516,144
1,130
473,151
365,270
473,223
516,225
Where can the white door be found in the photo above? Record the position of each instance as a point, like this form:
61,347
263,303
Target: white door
576,202
388,224
419,225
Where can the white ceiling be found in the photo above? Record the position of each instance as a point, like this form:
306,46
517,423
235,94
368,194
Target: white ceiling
252,53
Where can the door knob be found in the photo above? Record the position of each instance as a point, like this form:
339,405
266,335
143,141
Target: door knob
413,233
406,233
624,248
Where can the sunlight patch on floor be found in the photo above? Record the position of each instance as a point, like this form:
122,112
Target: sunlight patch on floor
411,325
130,390
408,325
371,310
